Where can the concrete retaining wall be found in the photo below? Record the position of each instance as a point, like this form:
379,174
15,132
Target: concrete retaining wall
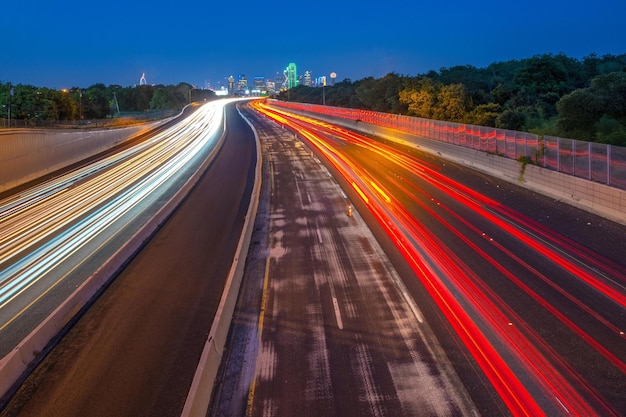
29,154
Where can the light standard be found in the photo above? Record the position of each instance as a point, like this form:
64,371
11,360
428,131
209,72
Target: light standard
9,114
332,79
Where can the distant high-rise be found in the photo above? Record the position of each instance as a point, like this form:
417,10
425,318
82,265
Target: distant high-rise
242,84
259,83
231,85
308,79
142,80
292,75
280,81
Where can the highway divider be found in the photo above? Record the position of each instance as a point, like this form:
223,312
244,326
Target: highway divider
199,396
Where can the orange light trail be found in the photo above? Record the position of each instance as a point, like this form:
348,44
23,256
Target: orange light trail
472,309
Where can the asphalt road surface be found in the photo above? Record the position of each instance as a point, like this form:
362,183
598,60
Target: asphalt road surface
135,351
337,334
532,262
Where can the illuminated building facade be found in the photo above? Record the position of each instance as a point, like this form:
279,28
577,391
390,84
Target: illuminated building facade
242,85
292,75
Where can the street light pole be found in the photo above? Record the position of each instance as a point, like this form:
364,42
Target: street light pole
10,94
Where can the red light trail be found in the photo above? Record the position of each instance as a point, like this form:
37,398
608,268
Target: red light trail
513,356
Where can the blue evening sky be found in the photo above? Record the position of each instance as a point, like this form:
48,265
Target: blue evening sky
63,44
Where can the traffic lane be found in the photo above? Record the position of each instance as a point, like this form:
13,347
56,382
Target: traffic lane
135,351
563,337
338,338
20,315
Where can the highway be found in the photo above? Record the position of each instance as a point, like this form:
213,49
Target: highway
520,289
135,350
338,335
444,291
54,235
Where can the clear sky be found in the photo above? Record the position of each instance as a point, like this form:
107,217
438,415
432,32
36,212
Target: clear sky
70,43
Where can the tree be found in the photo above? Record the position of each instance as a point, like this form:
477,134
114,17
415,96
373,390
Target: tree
485,114
510,119
599,108
578,112
420,99
477,82
452,103
382,94
610,89
95,103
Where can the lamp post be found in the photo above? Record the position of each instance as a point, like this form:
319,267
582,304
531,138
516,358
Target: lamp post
9,113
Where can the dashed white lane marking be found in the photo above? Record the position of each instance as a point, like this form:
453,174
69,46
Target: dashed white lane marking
337,313
319,234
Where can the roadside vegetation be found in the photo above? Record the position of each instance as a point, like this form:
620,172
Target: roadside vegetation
36,106
545,94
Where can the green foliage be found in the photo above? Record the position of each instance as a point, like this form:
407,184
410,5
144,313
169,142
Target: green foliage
611,131
578,112
382,94
597,112
545,94
485,114
511,119
34,105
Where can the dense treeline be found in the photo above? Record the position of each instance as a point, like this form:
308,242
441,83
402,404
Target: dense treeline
545,94
37,104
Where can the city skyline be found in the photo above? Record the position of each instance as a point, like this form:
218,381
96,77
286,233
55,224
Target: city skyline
79,44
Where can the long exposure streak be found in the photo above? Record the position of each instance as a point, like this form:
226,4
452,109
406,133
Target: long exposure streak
516,359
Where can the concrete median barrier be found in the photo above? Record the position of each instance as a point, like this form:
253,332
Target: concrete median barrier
199,396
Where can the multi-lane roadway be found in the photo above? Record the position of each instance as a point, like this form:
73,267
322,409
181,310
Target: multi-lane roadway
136,349
481,298
531,289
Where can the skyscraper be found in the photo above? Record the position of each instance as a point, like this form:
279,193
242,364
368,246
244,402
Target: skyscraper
308,79
280,81
292,75
242,84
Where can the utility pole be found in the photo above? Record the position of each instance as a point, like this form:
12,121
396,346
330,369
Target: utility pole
10,94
